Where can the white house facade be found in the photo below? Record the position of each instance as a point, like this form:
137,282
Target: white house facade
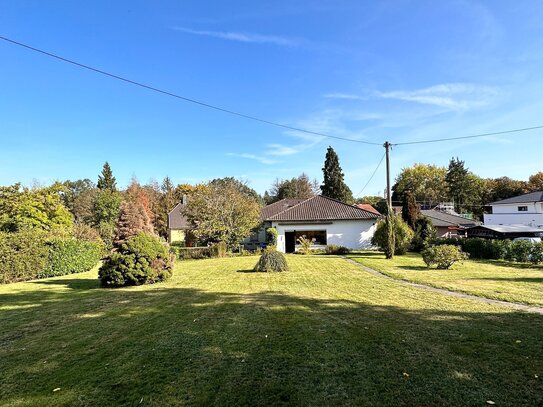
525,209
323,220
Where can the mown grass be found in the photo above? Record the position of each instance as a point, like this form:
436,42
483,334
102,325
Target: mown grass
324,333
502,280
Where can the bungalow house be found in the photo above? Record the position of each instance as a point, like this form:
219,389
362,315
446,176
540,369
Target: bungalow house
446,224
323,219
525,210
178,224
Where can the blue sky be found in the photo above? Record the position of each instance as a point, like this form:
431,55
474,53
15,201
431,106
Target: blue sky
375,71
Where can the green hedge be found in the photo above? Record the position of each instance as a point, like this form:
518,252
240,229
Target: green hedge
67,256
31,254
522,251
22,255
196,253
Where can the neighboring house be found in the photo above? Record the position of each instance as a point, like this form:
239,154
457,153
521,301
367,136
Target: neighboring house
178,224
368,208
504,231
323,219
448,225
525,209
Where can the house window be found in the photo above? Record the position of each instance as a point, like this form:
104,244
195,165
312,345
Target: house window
318,235
523,209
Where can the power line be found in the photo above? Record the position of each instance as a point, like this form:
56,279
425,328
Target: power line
372,175
468,137
186,99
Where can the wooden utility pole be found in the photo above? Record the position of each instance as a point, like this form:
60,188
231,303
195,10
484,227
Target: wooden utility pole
387,146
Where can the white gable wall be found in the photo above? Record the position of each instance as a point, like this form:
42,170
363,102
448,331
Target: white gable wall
354,234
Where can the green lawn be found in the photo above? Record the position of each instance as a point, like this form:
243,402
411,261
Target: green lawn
324,333
495,279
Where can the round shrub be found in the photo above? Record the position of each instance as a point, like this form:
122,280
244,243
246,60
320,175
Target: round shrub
271,260
142,259
403,236
443,256
334,249
536,255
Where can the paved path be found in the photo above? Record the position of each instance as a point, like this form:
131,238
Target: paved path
522,307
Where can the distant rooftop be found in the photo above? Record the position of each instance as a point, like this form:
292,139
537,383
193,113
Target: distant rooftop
443,219
526,198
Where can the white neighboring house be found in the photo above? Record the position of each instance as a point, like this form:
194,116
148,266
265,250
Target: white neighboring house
326,220
525,209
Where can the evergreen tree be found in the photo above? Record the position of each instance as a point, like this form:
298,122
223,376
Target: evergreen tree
334,186
133,218
106,180
457,183
168,200
410,209
390,245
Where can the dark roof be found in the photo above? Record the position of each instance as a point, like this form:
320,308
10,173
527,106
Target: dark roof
526,198
368,208
176,219
443,219
277,207
322,208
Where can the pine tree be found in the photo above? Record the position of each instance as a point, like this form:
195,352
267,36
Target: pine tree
457,183
334,186
106,180
132,219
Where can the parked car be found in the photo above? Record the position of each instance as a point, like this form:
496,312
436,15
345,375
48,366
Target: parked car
530,239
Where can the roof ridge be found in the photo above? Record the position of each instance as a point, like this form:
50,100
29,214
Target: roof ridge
346,204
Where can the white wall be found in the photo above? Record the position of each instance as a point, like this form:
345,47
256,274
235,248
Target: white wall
354,234
510,215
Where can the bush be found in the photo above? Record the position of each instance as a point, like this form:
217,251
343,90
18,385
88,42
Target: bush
443,257
404,236
271,260
520,251
425,233
221,249
23,255
67,256
536,255
336,250
142,259
271,236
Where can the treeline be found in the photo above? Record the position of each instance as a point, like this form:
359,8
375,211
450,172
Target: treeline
432,185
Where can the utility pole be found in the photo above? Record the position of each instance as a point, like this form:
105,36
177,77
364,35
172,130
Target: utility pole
387,146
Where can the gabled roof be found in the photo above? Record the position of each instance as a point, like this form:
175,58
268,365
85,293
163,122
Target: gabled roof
369,208
322,208
443,219
176,219
526,198
279,206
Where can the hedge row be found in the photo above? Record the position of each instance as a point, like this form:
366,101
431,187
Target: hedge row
196,253
31,254
522,251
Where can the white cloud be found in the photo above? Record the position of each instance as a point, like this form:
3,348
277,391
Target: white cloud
280,150
451,96
259,158
244,37
347,96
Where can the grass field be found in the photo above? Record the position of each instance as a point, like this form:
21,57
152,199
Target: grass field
324,333
495,279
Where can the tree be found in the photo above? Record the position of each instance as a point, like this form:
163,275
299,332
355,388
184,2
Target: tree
137,194
105,208
410,209
425,233
392,236
457,180
297,187
42,208
221,211
77,197
168,200
426,181
334,186
535,182
133,219
240,185
505,187
106,180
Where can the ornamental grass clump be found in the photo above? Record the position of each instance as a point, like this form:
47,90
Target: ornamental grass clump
270,261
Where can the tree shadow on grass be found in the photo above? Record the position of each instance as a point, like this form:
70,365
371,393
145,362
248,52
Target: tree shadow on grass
510,264
177,346
73,283
414,268
512,279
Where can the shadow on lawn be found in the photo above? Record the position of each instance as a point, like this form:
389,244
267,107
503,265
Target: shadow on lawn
73,283
173,346
512,279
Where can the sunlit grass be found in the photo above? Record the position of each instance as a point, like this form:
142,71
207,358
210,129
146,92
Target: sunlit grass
324,333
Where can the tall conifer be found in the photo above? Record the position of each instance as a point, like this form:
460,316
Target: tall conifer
334,186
